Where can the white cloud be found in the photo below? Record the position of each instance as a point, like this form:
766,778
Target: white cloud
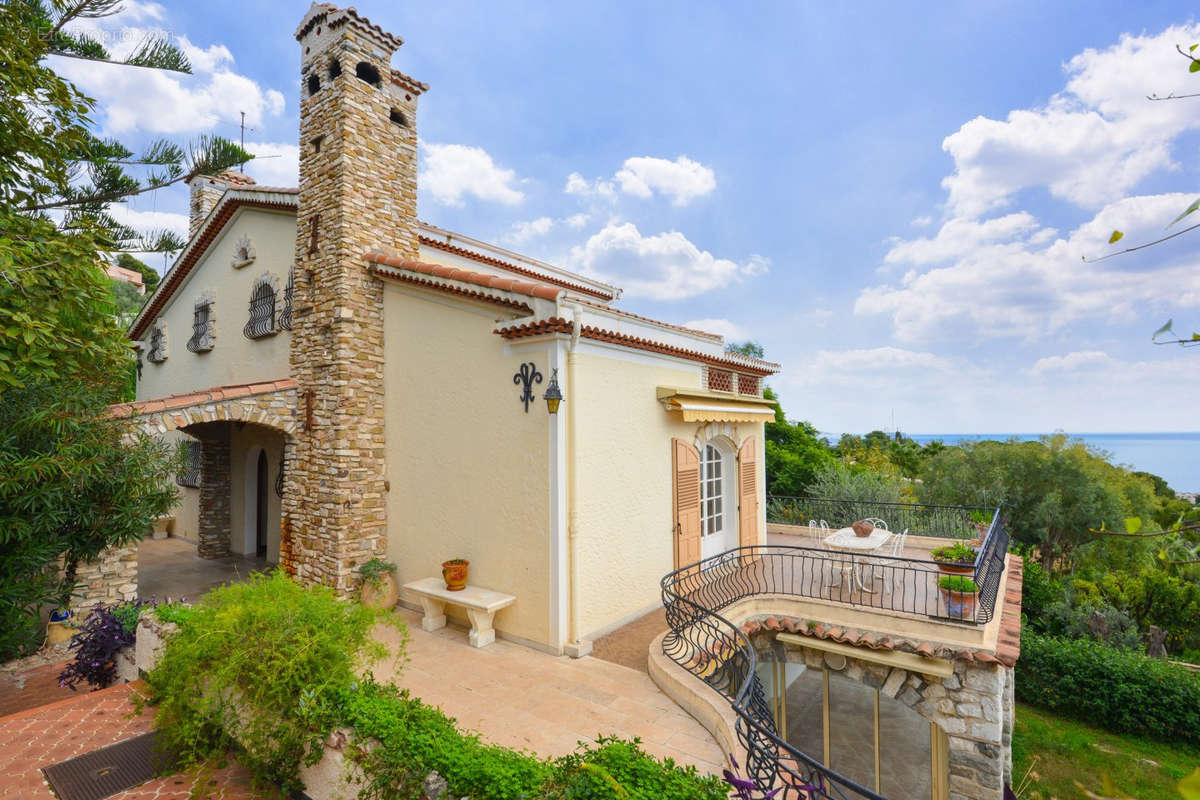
1008,277
452,172
682,180
150,221
276,163
580,186
856,363
577,221
1090,143
155,101
532,229
1072,362
665,266
730,330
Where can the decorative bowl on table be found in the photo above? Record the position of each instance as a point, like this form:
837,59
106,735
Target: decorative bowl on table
862,528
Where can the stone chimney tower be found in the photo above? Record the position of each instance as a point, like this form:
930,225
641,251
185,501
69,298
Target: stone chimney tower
358,192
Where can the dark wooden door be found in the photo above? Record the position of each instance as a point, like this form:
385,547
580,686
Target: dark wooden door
260,517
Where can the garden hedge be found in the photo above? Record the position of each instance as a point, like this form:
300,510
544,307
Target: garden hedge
1120,690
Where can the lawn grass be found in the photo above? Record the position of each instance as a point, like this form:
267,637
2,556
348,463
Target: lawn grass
1062,751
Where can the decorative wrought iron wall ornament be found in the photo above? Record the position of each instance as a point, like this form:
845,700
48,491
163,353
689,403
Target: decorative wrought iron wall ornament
526,377
279,480
553,395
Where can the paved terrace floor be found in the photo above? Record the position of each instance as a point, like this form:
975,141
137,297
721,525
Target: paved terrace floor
49,734
171,568
522,698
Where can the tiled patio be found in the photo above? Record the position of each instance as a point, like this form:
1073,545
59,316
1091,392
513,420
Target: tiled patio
171,568
40,737
522,698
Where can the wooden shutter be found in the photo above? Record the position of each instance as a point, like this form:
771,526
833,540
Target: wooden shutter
685,461
748,493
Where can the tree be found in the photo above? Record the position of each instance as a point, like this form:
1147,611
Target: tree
1054,491
73,481
750,348
795,454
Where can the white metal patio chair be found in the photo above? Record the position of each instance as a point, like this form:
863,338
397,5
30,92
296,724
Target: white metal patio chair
818,529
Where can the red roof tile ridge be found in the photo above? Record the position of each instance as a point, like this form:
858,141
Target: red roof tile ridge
659,322
543,291
211,394
510,267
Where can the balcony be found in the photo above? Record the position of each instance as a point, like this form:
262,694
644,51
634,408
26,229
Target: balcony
889,594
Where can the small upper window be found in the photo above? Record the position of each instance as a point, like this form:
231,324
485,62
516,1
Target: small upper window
397,116
244,252
202,327
262,311
314,84
158,343
368,73
335,68
720,380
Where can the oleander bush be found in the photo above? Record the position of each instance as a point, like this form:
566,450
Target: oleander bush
268,669
1119,690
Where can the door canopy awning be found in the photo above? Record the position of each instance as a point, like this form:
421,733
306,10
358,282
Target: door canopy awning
695,405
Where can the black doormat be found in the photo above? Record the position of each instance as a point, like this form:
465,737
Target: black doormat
104,772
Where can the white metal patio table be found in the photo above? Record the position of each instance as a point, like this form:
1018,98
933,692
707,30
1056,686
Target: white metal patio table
846,540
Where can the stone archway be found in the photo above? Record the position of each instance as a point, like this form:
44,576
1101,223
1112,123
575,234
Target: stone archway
271,404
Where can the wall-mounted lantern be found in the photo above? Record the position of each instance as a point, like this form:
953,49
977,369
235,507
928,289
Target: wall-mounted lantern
553,395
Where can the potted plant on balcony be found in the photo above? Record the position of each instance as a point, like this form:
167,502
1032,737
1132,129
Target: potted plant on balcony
957,558
379,590
454,572
959,593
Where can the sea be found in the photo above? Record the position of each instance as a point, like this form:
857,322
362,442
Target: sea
1175,457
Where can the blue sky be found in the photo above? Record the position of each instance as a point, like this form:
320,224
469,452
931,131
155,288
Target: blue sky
893,201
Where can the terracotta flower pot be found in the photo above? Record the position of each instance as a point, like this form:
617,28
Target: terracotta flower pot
381,593
959,605
955,568
454,572
862,529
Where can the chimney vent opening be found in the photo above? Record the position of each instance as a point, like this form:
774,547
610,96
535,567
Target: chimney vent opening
368,73
335,68
314,85
397,116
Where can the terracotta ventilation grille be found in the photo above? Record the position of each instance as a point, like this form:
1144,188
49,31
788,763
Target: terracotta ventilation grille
720,380
747,384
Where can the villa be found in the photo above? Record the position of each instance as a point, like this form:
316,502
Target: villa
350,382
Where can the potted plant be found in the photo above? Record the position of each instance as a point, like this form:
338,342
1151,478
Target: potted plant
454,572
60,628
957,558
862,528
959,592
379,589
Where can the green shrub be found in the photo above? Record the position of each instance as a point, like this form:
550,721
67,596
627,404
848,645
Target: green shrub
1119,690
958,583
415,739
270,645
177,613
373,569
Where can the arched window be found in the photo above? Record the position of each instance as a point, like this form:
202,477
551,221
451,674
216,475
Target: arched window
367,72
158,343
262,311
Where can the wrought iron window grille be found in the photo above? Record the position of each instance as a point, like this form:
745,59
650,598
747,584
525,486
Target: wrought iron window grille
158,346
279,482
289,293
202,334
190,474
262,312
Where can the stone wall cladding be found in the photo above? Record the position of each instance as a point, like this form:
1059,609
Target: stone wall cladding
215,520
358,193
973,706
111,578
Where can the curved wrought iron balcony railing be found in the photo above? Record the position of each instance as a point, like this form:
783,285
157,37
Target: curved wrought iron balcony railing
712,648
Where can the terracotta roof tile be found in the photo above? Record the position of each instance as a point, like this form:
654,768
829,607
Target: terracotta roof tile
539,290
174,401
631,315
538,328
507,266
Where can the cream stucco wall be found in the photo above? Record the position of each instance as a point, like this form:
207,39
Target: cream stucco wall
245,443
468,468
187,510
234,358
624,541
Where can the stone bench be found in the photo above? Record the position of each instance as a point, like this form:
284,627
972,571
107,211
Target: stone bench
481,606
